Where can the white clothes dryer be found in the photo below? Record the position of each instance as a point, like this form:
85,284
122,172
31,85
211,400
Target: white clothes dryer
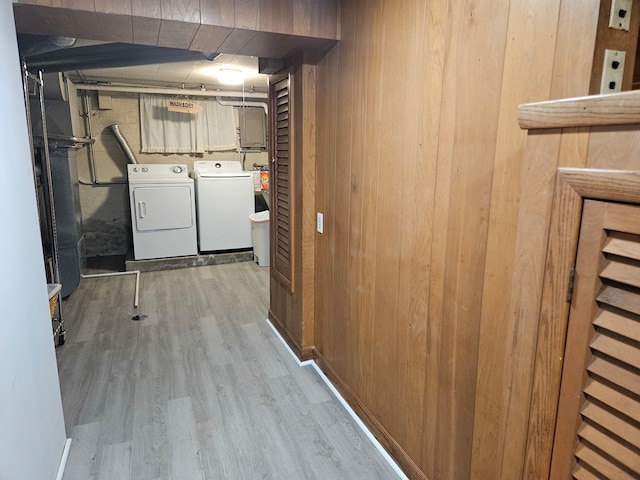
224,201
163,216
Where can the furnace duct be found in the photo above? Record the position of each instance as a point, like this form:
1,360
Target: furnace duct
115,129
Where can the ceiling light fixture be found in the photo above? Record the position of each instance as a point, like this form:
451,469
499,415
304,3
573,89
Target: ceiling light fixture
230,76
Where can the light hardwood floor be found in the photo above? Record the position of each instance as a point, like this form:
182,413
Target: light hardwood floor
200,389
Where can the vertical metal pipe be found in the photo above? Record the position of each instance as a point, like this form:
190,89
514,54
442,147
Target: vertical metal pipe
47,167
89,130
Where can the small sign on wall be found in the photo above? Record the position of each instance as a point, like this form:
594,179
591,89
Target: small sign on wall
183,106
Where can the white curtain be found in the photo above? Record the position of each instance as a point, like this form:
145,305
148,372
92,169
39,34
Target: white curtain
163,131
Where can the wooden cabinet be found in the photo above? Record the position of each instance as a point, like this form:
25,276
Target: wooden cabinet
597,431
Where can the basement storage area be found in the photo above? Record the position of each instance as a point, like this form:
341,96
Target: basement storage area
423,239
174,113
189,333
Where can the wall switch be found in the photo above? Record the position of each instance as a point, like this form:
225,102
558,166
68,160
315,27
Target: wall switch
612,71
620,16
320,222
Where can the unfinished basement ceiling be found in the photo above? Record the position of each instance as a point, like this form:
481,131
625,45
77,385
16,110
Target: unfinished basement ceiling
191,74
116,63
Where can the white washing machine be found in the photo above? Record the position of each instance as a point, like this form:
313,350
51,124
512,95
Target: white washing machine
224,201
163,215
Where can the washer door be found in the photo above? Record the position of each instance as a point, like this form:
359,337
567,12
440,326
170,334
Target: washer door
163,207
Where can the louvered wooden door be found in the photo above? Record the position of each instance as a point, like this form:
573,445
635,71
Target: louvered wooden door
282,219
598,427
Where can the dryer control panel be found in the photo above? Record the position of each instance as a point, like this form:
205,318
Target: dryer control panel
154,172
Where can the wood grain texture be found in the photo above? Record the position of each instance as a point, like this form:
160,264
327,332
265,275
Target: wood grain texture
247,14
578,333
573,60
614,147
307,182
444,270
216,12
611,109
509,308
276,16
551,333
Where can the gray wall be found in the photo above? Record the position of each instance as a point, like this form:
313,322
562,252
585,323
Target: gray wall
31,420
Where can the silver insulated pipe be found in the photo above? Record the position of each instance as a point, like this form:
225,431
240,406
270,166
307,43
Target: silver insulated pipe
123,143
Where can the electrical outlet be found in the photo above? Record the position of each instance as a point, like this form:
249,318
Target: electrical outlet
319,222
620,15
612,71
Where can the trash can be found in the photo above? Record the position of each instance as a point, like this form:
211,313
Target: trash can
260,237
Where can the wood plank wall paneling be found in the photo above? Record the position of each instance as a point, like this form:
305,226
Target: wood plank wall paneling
301,17
433,285
217,12
509,311
247,14
577,27
619,147
308,210
276,16
416,179
427,269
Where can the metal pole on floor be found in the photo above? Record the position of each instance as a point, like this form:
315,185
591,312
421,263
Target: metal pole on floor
114,274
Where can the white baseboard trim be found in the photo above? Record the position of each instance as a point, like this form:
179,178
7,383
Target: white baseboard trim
392,463
63,460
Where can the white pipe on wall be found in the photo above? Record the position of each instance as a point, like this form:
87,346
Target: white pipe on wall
170,91
236,103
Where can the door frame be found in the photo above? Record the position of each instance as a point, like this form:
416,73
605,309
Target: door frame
573,186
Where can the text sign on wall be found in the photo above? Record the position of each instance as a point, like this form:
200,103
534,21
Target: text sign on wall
183,106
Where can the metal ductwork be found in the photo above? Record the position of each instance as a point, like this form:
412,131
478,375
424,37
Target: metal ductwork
110,55
115,129
37,44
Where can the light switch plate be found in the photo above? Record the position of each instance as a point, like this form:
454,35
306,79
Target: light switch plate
320,222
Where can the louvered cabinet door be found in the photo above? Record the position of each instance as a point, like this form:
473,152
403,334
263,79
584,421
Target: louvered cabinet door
598,428
282,182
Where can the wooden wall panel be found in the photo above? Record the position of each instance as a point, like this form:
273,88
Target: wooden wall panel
247,14
429,274
509,310
217,12
276,16
307,183
301,17
609,148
